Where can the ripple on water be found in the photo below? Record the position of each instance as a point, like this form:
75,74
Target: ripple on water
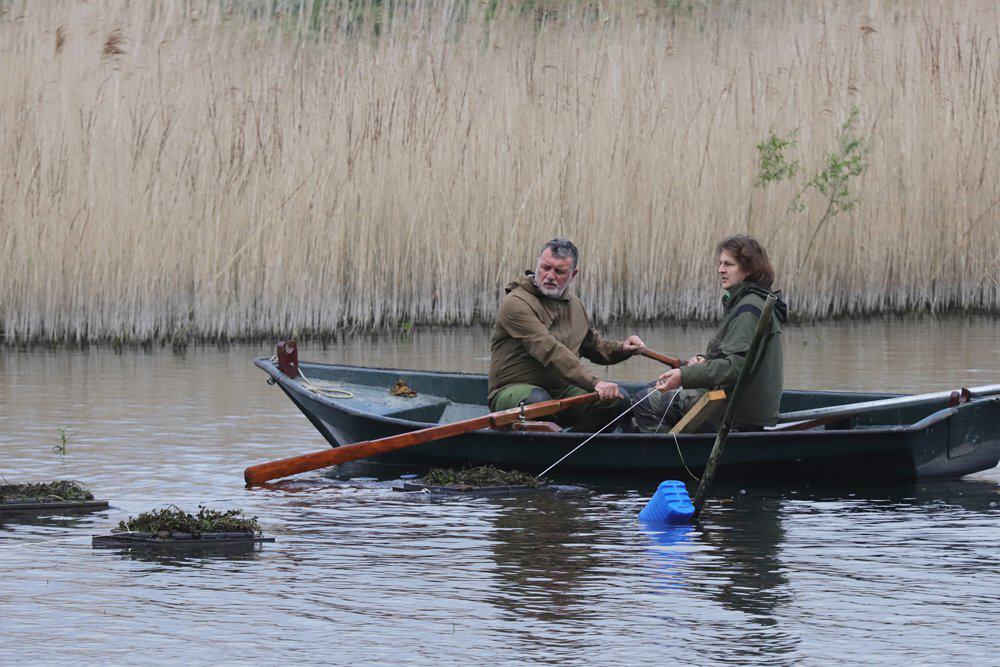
814,573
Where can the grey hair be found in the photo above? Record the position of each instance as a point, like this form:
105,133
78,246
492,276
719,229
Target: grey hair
562,248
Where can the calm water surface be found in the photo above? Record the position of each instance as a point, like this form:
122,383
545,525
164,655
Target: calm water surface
800,573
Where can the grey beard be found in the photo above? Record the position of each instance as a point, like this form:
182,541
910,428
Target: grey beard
550,292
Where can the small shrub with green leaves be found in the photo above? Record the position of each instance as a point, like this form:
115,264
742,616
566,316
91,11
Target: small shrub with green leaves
833,181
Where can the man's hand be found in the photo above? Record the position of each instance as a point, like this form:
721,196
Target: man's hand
607,391
633,345
669,380
696,359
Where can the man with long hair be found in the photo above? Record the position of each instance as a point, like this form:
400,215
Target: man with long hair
746,277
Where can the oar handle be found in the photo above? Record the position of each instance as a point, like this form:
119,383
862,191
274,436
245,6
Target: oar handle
663,359
263,472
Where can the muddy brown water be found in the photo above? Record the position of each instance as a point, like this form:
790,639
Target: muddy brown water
797,573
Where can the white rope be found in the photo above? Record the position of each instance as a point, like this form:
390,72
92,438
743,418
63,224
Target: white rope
596,433
325,389
676,444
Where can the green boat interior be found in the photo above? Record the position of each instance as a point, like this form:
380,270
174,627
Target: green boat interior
450,397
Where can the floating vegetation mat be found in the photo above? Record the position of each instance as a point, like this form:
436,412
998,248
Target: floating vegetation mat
175,520
482,476
63,489
483,481
174,526
48,495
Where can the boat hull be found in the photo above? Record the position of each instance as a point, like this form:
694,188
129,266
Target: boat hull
920,441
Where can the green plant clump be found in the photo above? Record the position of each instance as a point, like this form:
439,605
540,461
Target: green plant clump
63,489
175,520
482,476
65,433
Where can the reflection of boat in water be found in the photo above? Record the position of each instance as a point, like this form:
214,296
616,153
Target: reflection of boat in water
748,536
927,439
545,552
561,561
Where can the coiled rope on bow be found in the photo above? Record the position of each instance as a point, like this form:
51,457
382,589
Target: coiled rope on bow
327,389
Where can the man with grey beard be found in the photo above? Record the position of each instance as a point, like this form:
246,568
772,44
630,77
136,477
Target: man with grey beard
541,332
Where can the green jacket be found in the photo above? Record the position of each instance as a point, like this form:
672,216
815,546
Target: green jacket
538,340
726,356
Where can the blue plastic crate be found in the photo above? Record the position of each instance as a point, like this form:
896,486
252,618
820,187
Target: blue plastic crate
670,504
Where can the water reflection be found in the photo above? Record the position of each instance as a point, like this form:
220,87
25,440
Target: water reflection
670,537
61,518
191,557
747,536
969,494
544,553
733,556
800,572
670,548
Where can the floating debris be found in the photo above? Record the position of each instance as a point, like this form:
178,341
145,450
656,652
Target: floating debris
482,476
401,389
482,481
61,494
174,526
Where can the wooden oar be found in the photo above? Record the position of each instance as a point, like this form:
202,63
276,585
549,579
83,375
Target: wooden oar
264,472
663,359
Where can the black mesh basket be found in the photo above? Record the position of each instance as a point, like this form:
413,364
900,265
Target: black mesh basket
135,538
35,504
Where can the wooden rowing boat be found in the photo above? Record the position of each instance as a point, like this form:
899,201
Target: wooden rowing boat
920,438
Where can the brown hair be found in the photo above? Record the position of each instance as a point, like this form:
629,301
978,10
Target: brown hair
751,256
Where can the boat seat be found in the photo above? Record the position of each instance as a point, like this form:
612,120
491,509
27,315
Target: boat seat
455,412
706,406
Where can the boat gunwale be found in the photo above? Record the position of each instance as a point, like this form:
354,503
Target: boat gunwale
288,384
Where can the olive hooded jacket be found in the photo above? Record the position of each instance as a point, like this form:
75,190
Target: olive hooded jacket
727,352
539,340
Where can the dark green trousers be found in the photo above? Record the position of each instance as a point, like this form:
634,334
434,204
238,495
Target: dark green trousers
658,413
584,418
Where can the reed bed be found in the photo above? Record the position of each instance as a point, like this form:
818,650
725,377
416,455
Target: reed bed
230,170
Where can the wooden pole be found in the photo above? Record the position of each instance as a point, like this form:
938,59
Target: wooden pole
263,472
763,325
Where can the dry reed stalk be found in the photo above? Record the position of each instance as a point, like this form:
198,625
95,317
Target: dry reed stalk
233,171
